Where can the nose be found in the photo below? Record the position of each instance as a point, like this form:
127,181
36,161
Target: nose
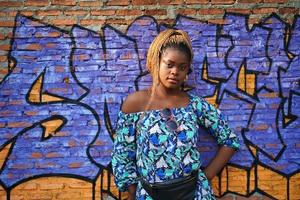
174,70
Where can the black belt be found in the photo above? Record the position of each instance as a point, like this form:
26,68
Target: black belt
183,188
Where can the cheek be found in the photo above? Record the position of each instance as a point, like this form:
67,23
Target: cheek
163,71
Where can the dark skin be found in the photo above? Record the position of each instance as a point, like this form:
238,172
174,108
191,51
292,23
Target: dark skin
174,66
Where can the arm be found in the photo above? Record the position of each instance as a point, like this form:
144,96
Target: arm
214,121
124,153
125,147
222,157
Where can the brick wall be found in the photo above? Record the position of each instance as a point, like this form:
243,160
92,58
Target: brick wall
66,65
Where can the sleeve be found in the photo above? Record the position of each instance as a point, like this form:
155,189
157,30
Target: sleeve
212,119
124,152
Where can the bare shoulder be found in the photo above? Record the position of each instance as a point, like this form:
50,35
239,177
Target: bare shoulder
135,102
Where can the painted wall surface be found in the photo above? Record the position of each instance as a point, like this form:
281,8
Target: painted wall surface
60,98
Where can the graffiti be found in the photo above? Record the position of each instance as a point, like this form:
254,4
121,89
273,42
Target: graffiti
61,96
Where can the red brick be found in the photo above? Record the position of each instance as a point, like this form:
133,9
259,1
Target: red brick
261,127
4,14
196,1
46,165
170,2
92,22
10,35
76,12
51,34
4,47
239,10
36,155
155,12
30,113
51,186
165,21
18,124
49,13
36,3
103,12
271,145
10,4
8,14
250,1
275,1
27,186
63,21
62,134
143,2
187,11
264,10
34,47
54,34
22,166
3,58
117,2
78,184
99,143
7,23
75,165
7,113
3,72
59,69
63,2
223,2
68,195
288,10
218,21
117,21
53,155
90,3
2,36
212,11
129,12
72,143
28,13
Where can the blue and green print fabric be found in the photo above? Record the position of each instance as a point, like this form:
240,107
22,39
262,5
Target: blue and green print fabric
145,147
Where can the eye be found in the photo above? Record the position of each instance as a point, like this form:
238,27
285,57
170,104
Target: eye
182,67
169,65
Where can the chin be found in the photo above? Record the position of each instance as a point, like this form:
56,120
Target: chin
173,87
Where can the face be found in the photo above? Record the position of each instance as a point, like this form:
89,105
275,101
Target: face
174,66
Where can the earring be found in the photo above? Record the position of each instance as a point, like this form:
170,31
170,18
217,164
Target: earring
186,78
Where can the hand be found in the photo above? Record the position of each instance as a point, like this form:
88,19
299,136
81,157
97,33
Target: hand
131,196
131,192
219,161
208,175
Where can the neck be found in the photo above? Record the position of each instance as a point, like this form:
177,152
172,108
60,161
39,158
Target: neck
163,92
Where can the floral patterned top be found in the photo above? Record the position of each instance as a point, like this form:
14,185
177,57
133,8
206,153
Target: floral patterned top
146,148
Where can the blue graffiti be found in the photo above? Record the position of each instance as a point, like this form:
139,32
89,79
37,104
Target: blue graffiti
89,74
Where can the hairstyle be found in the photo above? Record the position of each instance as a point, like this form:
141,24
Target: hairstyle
169,38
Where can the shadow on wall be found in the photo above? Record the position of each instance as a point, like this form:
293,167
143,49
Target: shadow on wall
60,100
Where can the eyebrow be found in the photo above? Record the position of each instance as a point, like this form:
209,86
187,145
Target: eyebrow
183,63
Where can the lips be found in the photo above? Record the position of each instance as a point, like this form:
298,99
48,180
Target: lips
173,80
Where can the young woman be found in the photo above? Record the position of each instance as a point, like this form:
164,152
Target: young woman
155,154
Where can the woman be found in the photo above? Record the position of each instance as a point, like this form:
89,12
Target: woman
155,154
